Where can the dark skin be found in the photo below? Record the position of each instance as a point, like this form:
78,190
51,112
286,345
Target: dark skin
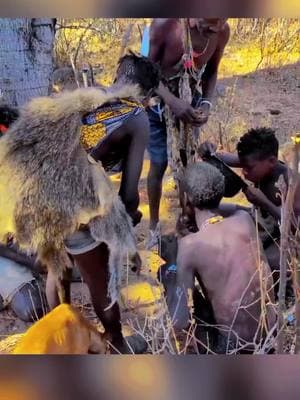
131,138
166,49
93,267
263,173
224,273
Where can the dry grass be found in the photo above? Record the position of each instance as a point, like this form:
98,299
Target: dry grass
8,344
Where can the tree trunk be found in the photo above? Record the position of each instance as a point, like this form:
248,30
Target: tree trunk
26,58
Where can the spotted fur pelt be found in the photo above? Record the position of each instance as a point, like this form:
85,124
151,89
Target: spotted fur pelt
50,186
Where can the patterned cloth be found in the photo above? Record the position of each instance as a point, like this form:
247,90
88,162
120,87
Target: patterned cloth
96,125
106,119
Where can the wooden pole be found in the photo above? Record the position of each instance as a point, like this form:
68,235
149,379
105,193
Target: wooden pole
296,257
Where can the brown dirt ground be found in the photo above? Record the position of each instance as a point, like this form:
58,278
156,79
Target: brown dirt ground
243,102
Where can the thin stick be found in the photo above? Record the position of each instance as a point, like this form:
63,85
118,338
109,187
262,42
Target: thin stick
295,181
74,70
125,40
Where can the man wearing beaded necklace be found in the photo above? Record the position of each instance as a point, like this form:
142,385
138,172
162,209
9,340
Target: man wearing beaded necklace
228,262
208,38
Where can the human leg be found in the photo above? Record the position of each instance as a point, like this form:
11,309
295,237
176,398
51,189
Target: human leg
51,288
93,266
157,149
154,186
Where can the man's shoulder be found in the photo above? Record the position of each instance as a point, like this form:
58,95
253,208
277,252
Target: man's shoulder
163,25
240,224
163,22
188,246
280,176
243,215
193,240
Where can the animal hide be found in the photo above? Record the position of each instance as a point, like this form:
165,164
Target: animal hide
50,186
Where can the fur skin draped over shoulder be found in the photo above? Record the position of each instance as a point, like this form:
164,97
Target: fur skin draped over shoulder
50,186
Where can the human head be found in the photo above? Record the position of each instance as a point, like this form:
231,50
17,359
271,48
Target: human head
208,26
258,153
204,185
135,69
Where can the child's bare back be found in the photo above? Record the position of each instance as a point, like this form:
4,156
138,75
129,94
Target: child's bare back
229,261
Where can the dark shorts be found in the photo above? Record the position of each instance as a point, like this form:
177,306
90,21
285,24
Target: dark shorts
157,145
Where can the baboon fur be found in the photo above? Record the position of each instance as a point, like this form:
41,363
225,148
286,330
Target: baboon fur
52,186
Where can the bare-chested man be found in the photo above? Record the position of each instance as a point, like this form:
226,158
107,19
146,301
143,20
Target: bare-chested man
209,37
229,264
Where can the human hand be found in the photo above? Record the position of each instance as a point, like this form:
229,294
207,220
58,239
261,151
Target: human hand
184,111
256,196
206,149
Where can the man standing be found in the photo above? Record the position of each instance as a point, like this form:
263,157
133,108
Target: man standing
112,126
257,155
191,48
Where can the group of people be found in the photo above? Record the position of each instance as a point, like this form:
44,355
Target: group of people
218,245
238,270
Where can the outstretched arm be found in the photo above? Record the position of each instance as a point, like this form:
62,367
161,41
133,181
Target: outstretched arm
209,78
139,130
231,159
228,209
258,198
131,138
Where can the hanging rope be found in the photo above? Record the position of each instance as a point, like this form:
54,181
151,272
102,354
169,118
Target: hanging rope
185,92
